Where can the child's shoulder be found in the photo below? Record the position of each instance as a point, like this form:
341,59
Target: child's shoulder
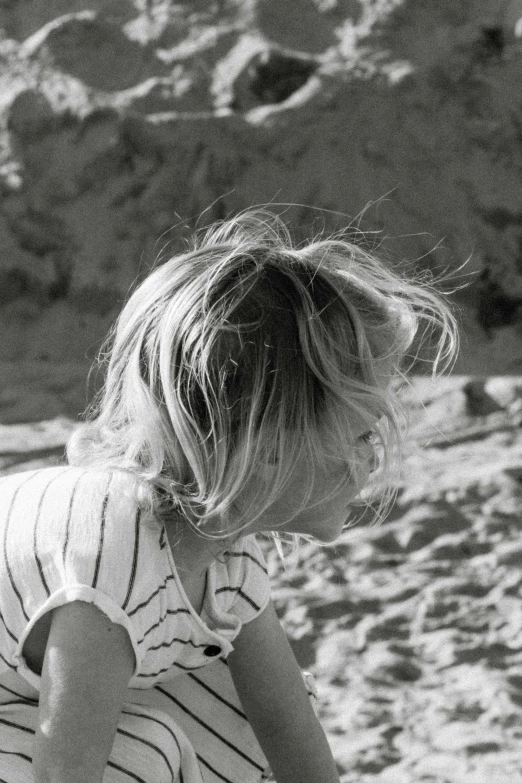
65,475
67,487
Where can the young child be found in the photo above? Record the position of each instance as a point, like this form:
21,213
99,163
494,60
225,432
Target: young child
248,392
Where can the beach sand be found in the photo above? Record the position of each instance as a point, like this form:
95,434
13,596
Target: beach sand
413,628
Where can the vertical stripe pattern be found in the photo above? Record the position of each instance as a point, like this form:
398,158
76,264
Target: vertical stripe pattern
70,534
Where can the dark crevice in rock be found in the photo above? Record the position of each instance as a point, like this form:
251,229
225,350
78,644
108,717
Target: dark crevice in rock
494,307
492,42
478,401
278,76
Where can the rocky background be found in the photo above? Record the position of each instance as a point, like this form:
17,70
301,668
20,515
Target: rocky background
124,124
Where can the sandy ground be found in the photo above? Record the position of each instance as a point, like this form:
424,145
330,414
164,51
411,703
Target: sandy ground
413,629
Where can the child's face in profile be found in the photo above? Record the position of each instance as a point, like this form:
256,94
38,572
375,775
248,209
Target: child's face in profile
324,516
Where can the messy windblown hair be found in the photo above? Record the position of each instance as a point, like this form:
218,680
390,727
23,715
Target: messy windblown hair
236,351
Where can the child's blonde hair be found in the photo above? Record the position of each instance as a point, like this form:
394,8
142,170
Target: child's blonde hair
234,353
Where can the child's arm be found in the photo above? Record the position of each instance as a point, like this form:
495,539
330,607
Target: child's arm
271,689
87,666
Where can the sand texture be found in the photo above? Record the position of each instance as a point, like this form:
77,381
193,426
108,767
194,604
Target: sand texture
121,119
413,629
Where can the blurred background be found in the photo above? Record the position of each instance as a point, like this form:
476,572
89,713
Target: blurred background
124,124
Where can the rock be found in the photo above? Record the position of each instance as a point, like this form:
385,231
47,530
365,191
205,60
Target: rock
30,116
22,276
296,24
506,391
99,150
479,402
22,21
189,92
270,77
328,105
93,50
40,233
